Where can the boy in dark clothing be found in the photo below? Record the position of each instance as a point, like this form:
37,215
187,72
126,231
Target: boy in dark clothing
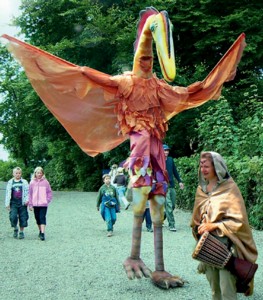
171,194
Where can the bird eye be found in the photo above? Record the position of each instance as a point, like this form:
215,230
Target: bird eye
152,27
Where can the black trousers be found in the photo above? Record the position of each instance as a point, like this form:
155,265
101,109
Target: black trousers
40,215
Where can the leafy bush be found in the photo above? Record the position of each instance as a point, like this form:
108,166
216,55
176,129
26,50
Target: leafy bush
217,130
248,173
91,183
6,168
251,127
187,168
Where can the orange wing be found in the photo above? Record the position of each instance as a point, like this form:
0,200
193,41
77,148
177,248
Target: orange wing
84,107
177,99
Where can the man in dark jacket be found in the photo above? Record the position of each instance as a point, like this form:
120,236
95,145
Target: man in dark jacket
171,194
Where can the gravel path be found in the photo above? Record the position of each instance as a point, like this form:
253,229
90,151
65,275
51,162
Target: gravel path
77,261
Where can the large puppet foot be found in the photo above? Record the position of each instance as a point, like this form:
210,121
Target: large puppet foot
136,268
165,280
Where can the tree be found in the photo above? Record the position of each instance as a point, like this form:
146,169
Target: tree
14,114
217,130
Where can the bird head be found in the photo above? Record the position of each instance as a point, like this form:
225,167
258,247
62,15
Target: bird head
155,26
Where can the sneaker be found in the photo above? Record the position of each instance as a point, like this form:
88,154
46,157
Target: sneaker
127,206
172,228
42,236
21,235
15,235
149,230
109,234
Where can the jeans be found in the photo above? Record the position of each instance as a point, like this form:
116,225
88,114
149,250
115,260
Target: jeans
18,212
110,217
147,217
121,193
170,206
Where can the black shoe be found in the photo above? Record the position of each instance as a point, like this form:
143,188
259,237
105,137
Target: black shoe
42,236
21,235
15,235
39,235
149,230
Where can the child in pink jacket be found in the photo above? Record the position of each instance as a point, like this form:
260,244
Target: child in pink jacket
40,195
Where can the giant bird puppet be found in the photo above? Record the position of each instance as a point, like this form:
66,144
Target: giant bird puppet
100,111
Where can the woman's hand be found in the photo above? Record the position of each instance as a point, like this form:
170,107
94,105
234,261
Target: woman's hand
207,227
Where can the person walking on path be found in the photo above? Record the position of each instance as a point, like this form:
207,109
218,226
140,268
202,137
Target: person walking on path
171,194
120,182
16,201
108,203
219,209
40,196
147,217
113,173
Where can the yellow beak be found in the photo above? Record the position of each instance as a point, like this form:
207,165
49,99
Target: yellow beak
161,28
